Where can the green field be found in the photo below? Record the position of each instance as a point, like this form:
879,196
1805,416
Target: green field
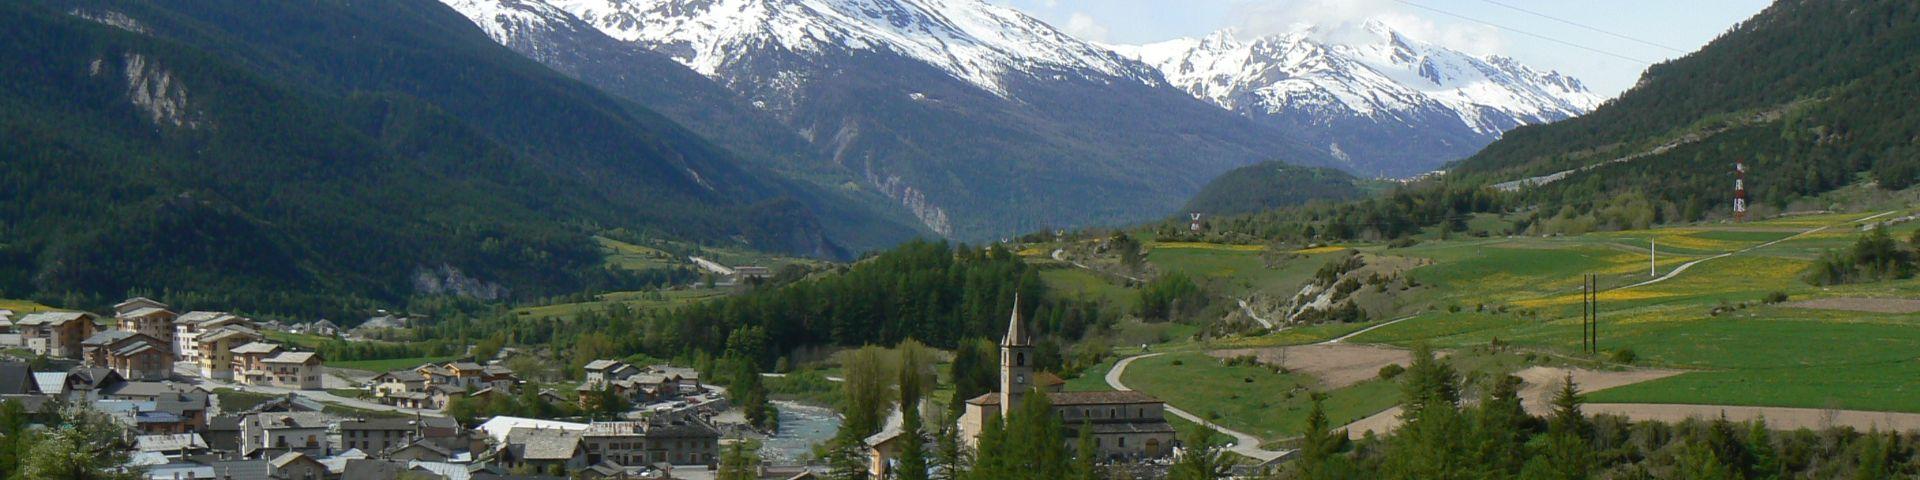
636,300
1251,399
388,365
22,306
1067,281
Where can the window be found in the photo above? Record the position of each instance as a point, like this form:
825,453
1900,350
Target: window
1020,359
1123,442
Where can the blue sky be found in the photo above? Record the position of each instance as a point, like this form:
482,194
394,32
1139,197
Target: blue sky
1490,26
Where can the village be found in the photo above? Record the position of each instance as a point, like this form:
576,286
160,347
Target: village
161,376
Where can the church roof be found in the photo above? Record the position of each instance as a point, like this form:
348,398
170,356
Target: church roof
1016,329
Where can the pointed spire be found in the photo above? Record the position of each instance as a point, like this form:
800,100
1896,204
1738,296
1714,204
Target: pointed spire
1016,329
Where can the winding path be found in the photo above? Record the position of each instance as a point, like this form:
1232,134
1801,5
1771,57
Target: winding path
1243,443
1684,266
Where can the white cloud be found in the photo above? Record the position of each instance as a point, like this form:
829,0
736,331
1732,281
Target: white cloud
1344,21
1084,26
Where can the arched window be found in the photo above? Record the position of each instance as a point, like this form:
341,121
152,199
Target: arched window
1020,359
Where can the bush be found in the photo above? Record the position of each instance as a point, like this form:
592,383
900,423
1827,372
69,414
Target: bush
1624,356
1775,297
1391,370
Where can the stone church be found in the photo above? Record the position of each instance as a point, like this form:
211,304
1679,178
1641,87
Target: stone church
1126,425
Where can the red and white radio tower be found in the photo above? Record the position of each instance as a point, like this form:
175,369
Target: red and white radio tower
1739,191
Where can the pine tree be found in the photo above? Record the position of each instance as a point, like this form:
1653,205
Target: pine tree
1319,447
1430,383
1201,460
913,446
1567,454
1085,456
737,464
1500,429
951,460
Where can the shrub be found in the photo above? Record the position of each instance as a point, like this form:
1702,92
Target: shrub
1624,356
1391,370
1775,297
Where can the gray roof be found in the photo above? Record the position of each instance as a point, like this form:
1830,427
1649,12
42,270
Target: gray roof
256,347
17,379
292,357
602,364
51,318
195,317
51,383
144,312
300,420
543,443
107,337
402,376
288,458
161,443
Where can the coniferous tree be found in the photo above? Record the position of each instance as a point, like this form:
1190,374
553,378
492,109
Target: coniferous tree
1500,429
1085,455
1320,447
738,464
951,461
1200,460
1567,454
913,447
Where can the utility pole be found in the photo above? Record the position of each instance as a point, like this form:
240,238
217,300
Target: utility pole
1653,252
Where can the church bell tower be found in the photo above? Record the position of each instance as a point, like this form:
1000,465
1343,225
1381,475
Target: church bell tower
1016,362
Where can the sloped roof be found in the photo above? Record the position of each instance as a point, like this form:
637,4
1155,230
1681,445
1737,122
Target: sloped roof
289,458
543,443
17,379
256,347
107,337
195,317
293,357
498,427
402,376
1017,335
144,312
158,443
602,364
51,319
137,302
1100,398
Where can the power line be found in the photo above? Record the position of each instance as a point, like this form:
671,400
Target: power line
1524,32
1585,26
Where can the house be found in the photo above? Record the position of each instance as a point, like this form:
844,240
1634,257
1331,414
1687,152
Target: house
56,334
681,440
164,407
223,432
297,466
133,355
216,346
678,381
86,384
18,379
376,469
147,317
324,328
1124,424
418,452
249,362
602,372
383,434
6,321
295,370
282,432
542,449
187,328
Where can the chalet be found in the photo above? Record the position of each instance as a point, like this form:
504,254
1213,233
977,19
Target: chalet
601,372
249,362
295,370
378,435
6,321
133,355
56,334
216,346
1125,424
153,321
187,328
18,383
162,407
283,432
541,449
676,440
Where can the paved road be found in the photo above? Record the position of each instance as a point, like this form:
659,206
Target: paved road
316,395
1243,443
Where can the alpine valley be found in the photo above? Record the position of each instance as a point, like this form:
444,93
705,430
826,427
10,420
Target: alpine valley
982,122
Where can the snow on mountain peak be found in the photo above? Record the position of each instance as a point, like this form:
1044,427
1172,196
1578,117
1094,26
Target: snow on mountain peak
970,39
1381,73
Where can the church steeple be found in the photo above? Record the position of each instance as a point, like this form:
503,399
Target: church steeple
1016,357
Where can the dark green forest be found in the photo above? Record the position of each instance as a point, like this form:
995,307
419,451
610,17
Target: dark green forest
320,158
1266,186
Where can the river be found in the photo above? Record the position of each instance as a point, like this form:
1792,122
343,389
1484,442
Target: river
801,427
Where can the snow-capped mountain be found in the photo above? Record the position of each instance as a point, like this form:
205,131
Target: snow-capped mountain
970,39
977,119
1391,106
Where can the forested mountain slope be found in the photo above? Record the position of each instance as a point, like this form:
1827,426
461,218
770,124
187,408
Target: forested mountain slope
319,155
1272,185
1809,93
